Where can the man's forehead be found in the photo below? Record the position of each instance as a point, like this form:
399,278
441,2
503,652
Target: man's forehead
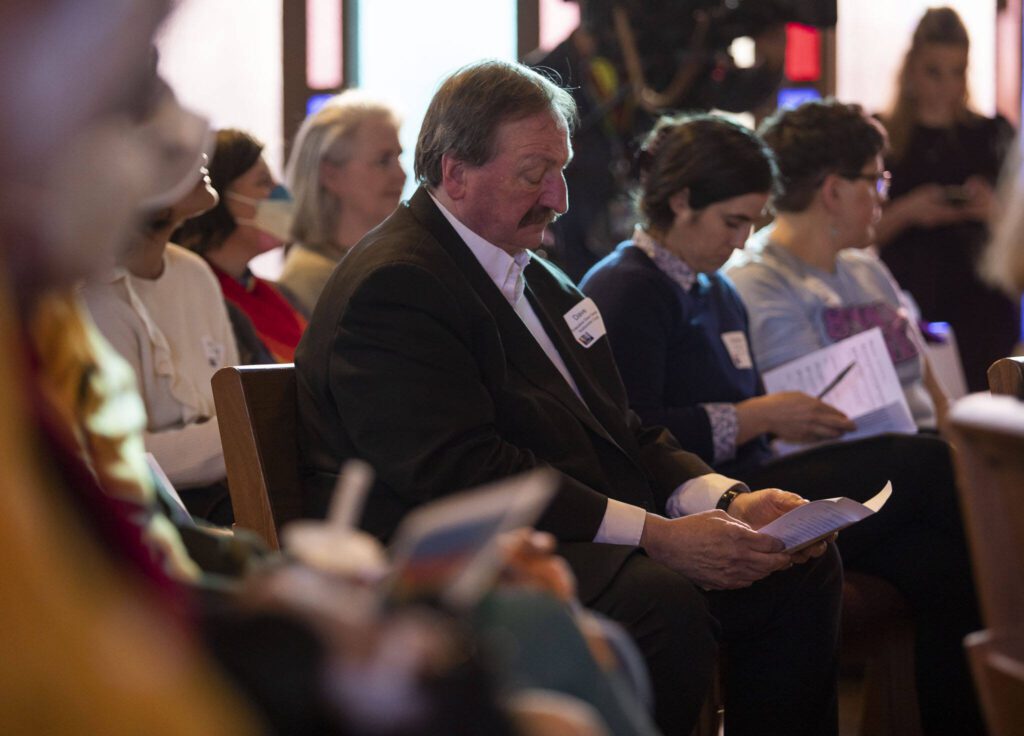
544,134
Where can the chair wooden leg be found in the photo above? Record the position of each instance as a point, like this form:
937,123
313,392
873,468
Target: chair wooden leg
709,723
890,695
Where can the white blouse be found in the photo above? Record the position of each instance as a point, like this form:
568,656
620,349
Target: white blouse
175,332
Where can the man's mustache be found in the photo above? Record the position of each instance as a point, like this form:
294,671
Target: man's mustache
538,216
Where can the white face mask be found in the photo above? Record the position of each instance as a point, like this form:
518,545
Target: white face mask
274,215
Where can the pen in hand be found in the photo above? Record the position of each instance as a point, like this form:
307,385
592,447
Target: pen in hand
835,381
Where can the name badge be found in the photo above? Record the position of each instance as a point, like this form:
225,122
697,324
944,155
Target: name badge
214,351
736,343
585,322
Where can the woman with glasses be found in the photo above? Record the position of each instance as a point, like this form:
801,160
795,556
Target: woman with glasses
944,160
808,280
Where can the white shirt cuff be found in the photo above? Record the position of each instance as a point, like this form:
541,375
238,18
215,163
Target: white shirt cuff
699,494
623,523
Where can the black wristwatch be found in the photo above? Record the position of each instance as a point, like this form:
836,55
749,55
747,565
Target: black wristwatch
727,497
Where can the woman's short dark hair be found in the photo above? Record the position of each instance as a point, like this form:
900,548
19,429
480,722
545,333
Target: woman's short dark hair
817,139
464,116
236,152
711,157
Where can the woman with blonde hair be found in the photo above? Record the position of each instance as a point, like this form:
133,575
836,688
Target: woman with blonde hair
345,177
944,160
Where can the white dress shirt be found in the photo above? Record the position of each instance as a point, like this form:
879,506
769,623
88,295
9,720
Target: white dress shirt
623,523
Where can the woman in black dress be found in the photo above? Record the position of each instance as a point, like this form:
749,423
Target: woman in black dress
944,160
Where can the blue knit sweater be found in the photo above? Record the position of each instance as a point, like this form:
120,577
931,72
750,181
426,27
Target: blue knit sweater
668,346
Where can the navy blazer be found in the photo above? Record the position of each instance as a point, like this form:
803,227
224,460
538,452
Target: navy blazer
669,349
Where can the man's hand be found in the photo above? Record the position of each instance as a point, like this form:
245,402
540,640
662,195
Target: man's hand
758,508
713,549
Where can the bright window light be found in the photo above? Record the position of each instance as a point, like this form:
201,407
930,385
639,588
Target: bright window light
558,18
406,49
742,52
223,59
873,35
323,44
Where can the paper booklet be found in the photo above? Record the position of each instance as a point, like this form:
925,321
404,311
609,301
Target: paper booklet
856,376
445,550
165,489
448,548
812,522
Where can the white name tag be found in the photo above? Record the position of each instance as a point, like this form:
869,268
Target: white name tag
736,343
585,322
214,351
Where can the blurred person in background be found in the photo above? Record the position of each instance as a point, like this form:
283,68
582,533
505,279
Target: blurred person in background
944,160
253,216
346,177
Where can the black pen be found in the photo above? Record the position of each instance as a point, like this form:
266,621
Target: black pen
835,381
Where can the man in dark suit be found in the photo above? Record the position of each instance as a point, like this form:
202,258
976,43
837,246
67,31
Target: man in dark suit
447,355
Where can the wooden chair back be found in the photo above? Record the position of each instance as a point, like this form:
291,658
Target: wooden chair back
256,410
1006,377
988,432
997,661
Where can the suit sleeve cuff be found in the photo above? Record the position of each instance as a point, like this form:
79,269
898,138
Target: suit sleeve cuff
699,494
622,524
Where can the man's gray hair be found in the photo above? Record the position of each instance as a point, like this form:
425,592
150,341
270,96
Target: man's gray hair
471,104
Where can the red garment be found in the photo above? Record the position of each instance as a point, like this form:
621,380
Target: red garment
277,323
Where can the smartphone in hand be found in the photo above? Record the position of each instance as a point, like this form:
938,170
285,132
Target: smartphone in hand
957,196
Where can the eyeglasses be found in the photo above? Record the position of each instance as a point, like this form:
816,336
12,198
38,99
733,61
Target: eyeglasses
881,181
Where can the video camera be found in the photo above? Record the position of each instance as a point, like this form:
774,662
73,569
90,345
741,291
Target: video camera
673,21
731,19
664,37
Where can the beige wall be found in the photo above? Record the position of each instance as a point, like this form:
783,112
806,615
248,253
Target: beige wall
873,35
223,58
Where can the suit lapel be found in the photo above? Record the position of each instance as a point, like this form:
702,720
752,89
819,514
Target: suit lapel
521,348
545,293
